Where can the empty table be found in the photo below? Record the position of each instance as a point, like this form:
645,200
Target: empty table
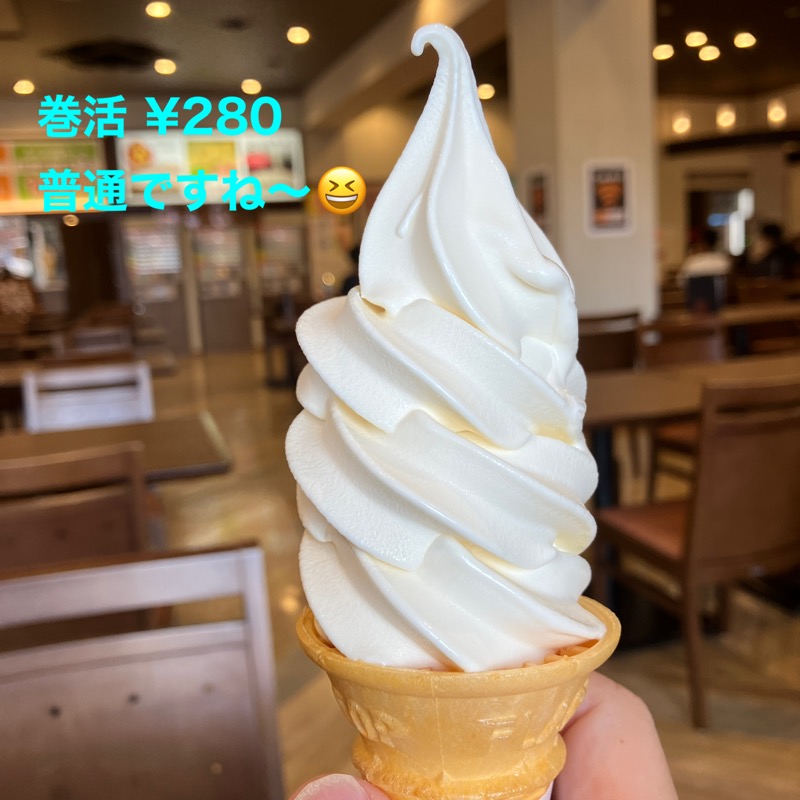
183,446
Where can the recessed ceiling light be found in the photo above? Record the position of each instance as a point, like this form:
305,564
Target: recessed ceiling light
158,10
744,39
776,112
661,52
164,66
682,123
24,87
708,53
298,34
251,86
726,116
696,39
70,220
485,91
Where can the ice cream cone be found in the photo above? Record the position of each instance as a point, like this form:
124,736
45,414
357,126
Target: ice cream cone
428,735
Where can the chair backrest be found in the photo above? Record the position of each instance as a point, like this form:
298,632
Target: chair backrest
11,330
745,519
108,314
607,342
661,344
761,290
177,713
45,322
73,505
76,358
87,396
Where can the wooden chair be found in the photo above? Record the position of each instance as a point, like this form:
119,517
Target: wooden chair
182,713
87,396
665,345
11,330
761,290
662,344
608,342
279,319
73,505
45,322
742,520
768,337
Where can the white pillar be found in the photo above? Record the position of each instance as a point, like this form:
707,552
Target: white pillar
583,91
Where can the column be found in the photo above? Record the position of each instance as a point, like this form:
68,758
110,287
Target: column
582,87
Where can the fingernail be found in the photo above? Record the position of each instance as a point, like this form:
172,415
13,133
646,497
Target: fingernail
333,787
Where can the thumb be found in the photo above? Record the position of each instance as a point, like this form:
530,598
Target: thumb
339,787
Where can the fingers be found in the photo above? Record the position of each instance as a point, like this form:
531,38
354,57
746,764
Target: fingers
603,693
339,787
613,749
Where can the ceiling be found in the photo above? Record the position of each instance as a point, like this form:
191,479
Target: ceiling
215,43
773,63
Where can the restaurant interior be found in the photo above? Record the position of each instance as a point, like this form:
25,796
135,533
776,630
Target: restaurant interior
149,532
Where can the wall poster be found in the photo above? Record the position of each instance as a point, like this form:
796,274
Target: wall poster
609,198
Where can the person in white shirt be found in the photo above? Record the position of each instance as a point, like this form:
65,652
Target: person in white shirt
706,260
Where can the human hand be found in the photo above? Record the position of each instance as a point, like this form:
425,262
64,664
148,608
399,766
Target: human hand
339,787
613,749
613,752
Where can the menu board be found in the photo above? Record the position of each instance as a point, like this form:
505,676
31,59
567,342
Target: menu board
270,159
21,163
152,252
218,260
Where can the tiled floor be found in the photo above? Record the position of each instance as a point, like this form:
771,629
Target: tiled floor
751,751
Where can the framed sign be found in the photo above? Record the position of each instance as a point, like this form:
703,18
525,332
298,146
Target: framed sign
609,198
537,197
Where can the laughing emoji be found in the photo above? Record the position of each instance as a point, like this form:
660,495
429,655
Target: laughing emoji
341,190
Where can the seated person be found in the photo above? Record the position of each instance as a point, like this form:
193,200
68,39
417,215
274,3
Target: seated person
706,259
771,256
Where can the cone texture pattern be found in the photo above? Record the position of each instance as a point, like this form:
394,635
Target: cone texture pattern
429,735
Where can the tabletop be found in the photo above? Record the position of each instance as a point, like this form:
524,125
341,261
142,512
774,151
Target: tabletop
670,393
162,362
183,446
747,368
730,316
629,396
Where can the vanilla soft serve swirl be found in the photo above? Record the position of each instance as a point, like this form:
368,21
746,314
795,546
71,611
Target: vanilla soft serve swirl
441,469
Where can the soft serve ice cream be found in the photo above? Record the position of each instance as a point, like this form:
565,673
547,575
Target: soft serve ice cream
441,468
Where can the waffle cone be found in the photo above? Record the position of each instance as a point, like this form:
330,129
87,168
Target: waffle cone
427,735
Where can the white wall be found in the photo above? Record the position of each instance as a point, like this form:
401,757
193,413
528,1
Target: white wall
583,89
